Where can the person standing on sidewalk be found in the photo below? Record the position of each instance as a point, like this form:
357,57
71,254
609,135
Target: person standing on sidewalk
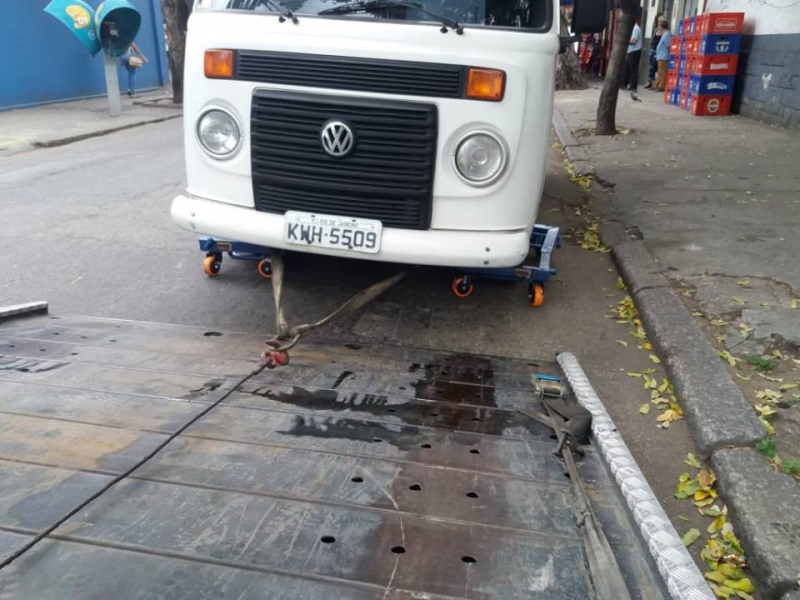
651,74
662,56
131,60
633,59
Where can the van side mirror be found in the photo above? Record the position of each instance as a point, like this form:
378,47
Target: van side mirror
589,16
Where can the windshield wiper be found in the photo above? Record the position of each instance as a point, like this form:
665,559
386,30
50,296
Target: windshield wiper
253,4
375,5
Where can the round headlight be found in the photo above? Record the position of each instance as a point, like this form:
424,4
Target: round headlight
480,158
218,133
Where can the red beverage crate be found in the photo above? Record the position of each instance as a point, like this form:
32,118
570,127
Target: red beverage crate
709,106
714,64
684,99
675,45
692,44
722,23
672,80
668,95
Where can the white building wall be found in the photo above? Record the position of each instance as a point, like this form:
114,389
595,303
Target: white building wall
762,17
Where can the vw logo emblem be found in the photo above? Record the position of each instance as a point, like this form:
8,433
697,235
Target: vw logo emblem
337,139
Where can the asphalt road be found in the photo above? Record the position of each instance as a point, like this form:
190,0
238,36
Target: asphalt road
87,227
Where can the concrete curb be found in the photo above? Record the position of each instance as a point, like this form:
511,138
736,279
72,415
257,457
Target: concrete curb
765,508
52,143
764,504
572,147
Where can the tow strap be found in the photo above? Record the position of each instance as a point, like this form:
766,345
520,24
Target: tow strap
287,337
571,422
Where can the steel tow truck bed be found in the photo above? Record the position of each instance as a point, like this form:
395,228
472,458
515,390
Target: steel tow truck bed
357,472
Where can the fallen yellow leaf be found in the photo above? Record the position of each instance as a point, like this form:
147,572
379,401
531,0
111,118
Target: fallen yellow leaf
692,461
768,378
715,576
794,303
743,283
655,359
740,301
690,536
728,358
743,585
717,524
743,377
644,408
622,343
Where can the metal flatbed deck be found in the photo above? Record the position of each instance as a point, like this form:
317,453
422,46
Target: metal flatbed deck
357,472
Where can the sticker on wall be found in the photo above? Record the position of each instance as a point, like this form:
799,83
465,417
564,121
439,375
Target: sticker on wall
79,19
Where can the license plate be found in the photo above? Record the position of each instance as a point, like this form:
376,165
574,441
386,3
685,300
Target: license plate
327,231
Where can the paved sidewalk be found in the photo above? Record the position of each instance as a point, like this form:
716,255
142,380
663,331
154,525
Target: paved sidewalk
702,213
65,122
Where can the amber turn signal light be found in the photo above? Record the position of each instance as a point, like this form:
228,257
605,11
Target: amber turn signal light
218,64
486,84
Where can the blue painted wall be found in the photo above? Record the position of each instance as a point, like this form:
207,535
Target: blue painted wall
41,61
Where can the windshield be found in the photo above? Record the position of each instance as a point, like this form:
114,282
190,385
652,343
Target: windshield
525,14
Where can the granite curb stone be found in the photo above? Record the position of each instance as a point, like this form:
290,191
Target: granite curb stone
765,507
639,267
716,411
572,147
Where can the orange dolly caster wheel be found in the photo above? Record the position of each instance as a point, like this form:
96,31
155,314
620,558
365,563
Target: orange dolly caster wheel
462,287
265,268
537,295
212,265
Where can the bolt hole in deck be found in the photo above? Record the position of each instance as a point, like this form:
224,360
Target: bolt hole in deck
474,451
472,495
212,334
377,440
469,559
327,539
399,550
357,480
427,446
416,487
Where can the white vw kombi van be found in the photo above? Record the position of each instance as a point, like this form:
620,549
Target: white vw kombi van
408,132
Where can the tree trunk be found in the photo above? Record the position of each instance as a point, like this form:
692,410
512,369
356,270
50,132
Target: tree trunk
607,108
176,18
568,66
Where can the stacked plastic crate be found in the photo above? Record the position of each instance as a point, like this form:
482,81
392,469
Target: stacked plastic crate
703,61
